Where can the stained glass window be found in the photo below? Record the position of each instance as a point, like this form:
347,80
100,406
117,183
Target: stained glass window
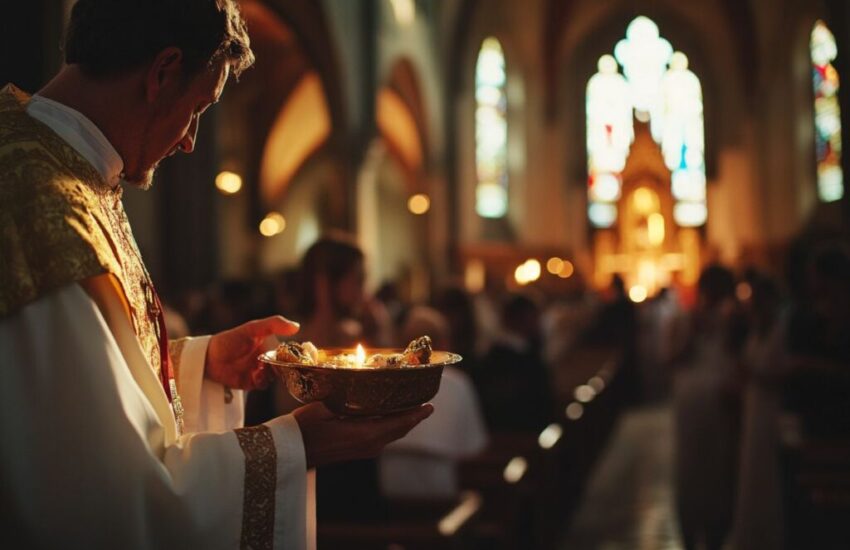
491,131
655,86
827,114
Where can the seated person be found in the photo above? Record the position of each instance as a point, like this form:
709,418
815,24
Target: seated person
423,463
512,379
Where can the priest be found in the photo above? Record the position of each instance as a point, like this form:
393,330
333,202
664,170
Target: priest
112,436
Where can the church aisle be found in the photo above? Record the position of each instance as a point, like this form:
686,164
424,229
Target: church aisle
628,502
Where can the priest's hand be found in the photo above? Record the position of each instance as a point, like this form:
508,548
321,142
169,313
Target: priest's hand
329,438
232,355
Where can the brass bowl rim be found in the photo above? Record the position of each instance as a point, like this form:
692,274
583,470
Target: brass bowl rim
450,359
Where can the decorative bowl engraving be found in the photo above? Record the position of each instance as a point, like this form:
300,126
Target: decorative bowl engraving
363,391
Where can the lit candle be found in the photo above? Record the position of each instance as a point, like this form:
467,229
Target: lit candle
360,356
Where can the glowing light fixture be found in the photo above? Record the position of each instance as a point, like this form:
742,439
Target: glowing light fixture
655,229
584,393
470,502
574,411
419,204
515,469
637,294
273,224
554,265
597,383
229,183
527,272
550,436
567,270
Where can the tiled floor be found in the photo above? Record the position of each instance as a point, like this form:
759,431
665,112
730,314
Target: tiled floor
628,503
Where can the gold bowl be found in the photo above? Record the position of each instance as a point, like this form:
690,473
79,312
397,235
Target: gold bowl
363,391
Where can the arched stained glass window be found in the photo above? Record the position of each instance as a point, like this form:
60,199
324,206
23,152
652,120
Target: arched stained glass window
655,86
491,131
827,114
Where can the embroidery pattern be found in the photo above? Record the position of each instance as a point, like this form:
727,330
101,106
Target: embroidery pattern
258,505
60,222
175,351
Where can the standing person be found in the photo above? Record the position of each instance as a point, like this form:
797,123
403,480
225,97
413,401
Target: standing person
102,419
758,510
332,298
706,411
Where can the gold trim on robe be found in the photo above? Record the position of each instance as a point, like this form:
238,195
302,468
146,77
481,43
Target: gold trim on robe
258,503
61,223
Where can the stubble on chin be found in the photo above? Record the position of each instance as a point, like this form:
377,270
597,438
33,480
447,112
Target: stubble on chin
143,181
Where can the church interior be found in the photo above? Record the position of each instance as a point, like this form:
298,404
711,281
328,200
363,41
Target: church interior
629,217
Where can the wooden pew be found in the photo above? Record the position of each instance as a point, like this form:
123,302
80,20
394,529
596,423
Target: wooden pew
818,491
501,474
409,525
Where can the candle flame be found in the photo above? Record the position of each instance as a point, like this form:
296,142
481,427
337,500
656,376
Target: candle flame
360,355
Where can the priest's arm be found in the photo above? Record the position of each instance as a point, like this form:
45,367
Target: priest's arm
85,450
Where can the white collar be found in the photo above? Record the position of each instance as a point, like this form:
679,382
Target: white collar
81,134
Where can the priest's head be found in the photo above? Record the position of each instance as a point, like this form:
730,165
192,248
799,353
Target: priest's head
166,63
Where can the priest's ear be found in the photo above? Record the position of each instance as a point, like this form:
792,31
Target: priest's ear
164,74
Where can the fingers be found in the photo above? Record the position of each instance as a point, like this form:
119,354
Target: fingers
329,438
390,428
274,325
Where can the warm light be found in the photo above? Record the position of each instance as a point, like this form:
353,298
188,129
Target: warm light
360,355
228,183
301,126
470,502
554,265
515,469
550,436
519,275
567,270
475,276
637,294
533,269
272,224
527,272
655,229
398,126
419,204
644,200
744,291
584,393
597,383
574,411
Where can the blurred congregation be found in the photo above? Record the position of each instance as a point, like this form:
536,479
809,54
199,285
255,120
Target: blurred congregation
625,216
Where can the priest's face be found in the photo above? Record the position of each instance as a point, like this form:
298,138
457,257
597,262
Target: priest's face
173,122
